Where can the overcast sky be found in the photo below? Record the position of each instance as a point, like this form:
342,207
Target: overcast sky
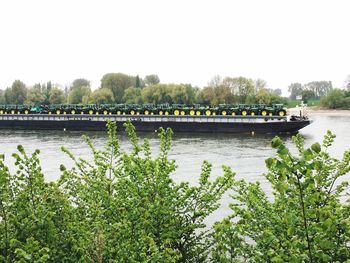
182,41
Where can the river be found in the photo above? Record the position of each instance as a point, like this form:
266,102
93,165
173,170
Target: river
245,153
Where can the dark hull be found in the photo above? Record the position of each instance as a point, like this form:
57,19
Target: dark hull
91,124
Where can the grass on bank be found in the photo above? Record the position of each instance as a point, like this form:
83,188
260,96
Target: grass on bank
296,103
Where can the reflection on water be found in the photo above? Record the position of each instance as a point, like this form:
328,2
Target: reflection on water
246,154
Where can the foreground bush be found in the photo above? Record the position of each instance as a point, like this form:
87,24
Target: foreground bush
122,207
305,220
125,207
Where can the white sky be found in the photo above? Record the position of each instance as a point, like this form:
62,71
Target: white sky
184,41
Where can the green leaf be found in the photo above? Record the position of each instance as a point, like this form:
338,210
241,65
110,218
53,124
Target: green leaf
269,162
276,142
316,147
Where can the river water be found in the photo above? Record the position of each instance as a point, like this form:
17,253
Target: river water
245,153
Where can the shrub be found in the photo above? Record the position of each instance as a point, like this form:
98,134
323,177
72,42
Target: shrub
334,99
121,207
125,207
303,222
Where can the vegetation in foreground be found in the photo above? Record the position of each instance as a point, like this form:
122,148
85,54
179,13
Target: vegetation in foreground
125,207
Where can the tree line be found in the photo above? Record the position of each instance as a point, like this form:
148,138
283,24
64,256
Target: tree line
123,88
124,206
329,97
311,90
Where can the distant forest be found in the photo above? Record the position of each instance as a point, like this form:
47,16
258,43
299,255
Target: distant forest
123,88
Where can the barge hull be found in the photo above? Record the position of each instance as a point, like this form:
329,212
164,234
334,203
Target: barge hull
273,127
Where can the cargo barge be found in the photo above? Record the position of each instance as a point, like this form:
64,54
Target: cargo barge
151,123
223,118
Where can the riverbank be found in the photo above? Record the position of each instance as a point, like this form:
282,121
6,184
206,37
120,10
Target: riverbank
312,111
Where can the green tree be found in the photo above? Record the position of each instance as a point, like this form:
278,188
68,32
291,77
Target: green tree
229,84
2,97
182,94
223,94
117,83
66,91
79,83
56,96
8,96
151,80
19,92
49,85
245,88
295,89
207,96
334,99
46,90
102,96
241,88
278,92
265,96
35,95
139,83
307,95
305,221
318,88
132,95
157,94
219,91
78,94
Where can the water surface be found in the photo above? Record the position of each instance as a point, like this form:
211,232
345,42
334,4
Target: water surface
246,154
